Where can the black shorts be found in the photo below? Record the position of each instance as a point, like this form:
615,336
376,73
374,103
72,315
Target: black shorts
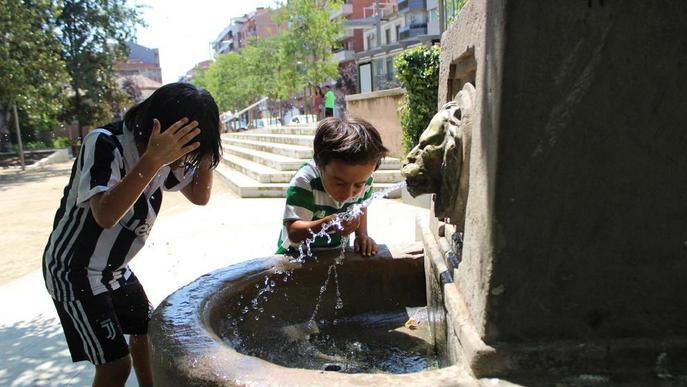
95,326
329,112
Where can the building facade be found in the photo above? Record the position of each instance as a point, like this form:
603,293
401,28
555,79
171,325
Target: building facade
142,61
392,26
237,35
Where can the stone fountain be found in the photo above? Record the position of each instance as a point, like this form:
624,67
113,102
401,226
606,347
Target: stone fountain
557,247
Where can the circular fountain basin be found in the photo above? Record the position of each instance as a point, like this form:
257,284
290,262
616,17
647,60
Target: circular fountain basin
252,324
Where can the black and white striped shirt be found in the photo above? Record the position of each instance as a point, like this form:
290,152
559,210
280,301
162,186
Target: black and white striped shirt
81,258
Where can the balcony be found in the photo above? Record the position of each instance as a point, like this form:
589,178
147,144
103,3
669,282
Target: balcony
346,10
388,9
412,31
342,56
346,33
411,5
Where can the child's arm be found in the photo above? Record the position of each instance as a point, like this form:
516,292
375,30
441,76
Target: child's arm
163,148
199,189
363,243
299,230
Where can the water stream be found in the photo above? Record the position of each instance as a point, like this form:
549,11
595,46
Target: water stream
375,341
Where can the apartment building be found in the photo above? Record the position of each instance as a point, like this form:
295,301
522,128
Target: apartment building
200,66
141,61
391,26
258,24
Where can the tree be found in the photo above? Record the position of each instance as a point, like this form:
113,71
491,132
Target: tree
131,88
33,72
237,79
307,43
94,35
299,56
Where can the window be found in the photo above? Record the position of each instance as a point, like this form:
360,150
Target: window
365,77
390,68
434,15
387,35
398,32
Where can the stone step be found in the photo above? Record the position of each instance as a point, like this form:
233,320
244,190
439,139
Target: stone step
272,155
298,130
293,139
266,174
246,187
288,150
256,171
276,161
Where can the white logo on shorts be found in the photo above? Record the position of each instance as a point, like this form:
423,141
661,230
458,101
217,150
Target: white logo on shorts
142,230
109,325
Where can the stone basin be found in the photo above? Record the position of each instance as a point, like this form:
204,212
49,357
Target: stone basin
209,333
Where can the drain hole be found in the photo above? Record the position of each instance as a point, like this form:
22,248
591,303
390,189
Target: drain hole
332,367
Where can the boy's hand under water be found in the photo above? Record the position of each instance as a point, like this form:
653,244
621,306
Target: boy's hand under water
364,245
348,227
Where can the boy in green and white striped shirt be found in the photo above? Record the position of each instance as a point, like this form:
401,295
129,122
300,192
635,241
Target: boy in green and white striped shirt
346,153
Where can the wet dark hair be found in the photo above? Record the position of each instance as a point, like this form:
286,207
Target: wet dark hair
169,104
353,140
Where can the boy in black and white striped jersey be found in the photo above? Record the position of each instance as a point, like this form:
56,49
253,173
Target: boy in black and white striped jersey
169,142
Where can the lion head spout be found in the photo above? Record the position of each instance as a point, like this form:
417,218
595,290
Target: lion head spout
439,164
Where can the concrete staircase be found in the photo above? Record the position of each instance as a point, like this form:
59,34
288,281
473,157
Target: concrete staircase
259,163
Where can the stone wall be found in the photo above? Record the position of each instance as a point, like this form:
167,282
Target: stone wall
380,109
575,243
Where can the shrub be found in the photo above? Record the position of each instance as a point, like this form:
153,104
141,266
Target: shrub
418,71
61,142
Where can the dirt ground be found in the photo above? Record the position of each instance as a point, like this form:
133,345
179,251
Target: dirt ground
29,202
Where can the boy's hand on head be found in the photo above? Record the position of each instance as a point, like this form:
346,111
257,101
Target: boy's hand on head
168,146
364,245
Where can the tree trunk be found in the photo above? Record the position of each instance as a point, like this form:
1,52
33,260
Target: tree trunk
77,108
21,147
5,143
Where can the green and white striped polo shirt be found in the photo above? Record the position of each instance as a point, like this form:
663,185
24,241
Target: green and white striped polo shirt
306,199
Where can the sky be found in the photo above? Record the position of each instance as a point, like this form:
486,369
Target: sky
182,30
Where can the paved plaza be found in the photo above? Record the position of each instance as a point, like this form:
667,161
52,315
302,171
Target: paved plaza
187,241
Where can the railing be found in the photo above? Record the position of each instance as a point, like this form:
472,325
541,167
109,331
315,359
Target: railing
343,55
246,118
413,30
387,8
346,9
409,5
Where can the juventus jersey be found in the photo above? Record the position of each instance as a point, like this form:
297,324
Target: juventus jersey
81,258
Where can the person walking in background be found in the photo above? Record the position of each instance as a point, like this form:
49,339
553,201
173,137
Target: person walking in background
329,102
317,101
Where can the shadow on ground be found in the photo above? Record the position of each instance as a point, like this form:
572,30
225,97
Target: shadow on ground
35,353
13,177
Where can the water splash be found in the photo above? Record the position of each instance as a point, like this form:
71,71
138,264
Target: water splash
304,249
305,252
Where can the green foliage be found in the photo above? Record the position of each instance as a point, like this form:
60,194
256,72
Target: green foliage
57,143
94,35
61,142
280,66
418,70
308,42
237,79
453,8
33,72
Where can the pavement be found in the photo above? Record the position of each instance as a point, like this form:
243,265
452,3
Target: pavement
186,242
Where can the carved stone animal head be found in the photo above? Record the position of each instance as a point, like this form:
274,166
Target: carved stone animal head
439,164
